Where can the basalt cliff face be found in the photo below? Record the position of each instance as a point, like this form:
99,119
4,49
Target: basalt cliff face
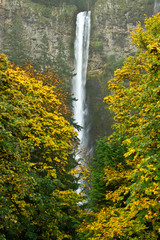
38,33
34,30
112,22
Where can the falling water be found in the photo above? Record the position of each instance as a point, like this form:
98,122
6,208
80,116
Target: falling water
81,50
156,6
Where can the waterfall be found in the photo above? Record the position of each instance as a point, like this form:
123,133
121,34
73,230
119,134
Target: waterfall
81,51
156,6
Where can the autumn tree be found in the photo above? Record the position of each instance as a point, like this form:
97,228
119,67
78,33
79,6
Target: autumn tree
50,78
36,198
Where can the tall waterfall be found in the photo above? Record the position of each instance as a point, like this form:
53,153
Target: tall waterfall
156,6
81,50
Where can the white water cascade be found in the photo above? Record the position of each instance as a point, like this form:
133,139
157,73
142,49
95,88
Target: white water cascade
81,50
156,6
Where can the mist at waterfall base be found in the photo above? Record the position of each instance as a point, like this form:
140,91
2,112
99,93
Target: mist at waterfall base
81,52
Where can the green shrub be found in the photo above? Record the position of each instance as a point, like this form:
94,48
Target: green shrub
46,12
98,46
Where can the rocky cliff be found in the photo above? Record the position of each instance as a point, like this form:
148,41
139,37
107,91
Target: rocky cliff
36,32
112,22
33,30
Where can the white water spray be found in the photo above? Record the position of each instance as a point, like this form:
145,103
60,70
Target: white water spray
81,49
156,6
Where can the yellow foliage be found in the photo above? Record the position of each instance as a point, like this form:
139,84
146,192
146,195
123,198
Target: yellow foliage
35,145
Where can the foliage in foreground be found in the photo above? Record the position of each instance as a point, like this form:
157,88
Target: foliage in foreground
132,194
37,200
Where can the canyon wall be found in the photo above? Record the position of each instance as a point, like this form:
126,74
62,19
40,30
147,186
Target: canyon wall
34,31
112,22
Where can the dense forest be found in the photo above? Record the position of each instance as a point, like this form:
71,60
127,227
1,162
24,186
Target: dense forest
38,144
